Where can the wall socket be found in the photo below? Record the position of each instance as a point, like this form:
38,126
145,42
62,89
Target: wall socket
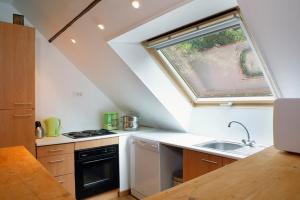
78,94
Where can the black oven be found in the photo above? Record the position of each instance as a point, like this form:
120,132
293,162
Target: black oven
96,170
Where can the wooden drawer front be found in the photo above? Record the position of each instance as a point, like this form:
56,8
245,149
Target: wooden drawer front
59,165
53,150
96,143
68,182
196,164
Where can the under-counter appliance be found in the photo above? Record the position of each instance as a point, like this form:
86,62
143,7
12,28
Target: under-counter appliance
286,124
152,165
96,170
88,133
145,167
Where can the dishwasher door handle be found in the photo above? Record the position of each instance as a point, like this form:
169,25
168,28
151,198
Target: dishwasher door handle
139,142
146,145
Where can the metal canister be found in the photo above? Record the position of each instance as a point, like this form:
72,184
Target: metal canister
39,131
130,123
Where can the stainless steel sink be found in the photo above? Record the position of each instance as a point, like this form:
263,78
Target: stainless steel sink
221,145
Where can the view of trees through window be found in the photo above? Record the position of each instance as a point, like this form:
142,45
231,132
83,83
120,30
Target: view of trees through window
219,64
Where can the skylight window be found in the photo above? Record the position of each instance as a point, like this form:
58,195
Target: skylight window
215,62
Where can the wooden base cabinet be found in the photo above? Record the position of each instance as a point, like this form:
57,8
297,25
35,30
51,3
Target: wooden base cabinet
196,163
67,181
59,161
227,161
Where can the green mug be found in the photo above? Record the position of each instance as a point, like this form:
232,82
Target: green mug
53,127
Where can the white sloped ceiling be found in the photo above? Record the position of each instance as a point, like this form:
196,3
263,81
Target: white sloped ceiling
95,58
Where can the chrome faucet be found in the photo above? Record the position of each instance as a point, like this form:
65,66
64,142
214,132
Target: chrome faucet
247,142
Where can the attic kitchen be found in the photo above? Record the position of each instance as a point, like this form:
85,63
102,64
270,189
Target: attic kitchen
140,99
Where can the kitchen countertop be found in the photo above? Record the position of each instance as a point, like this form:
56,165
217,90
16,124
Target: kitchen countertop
63,139
188,140
269,174
181,140
23,177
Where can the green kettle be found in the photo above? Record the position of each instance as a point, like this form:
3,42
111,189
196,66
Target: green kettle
53,127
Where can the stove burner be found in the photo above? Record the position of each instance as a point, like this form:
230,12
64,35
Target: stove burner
88,133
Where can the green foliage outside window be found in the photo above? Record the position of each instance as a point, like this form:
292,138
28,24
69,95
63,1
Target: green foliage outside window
245,68
221,38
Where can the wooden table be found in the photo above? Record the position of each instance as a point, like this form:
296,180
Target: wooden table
23,177
270,174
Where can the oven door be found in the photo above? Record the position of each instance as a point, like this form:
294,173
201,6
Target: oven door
94,176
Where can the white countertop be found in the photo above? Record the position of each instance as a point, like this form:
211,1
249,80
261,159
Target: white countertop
181,140
188,140
63,139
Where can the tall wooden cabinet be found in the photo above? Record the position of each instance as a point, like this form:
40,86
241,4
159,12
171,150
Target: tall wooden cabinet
17,86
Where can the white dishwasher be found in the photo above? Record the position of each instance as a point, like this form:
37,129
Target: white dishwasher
145,167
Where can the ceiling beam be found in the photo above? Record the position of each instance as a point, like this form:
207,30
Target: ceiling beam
87,9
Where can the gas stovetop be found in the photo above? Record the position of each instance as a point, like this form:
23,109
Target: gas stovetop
88,133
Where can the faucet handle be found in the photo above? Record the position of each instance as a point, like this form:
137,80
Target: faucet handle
244,141
250,143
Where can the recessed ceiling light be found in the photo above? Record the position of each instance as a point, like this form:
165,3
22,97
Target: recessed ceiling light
101,26
73,41
135,4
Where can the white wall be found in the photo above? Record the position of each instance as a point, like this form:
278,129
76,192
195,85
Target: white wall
139,61
276,29
59,84
213,121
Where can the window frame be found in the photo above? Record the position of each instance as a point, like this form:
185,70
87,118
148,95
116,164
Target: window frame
188,90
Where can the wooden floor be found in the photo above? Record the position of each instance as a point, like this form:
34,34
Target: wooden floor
101,197
112,195
126,198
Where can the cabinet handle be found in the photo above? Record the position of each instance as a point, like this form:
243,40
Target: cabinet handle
209,161
61,182
55,150
22,103
56,161
25,115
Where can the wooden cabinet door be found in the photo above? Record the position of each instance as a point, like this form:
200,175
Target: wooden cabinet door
17,66
196,164
24,129
5,128
24,67
6,63
17,129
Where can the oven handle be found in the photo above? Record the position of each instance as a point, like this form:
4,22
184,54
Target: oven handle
103,159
